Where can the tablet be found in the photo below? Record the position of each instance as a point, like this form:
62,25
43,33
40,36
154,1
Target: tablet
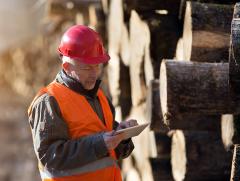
132,131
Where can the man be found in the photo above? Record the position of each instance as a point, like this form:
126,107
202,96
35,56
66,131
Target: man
71,119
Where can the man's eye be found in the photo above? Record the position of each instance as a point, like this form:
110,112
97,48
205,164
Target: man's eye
84,68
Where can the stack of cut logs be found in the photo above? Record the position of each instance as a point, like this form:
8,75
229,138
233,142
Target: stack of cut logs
189,139
185,104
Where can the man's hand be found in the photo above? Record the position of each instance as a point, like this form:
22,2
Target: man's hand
127,124
112,140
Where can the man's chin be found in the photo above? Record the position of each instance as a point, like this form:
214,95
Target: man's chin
90,86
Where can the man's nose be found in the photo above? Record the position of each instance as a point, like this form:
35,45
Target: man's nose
94,71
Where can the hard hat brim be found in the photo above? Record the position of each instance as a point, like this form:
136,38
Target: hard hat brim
90,60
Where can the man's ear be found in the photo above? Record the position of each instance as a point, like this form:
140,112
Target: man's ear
65,66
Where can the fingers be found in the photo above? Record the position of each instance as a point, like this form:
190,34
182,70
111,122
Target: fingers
129,123
121,125
110,133
111,140
132,122
119,137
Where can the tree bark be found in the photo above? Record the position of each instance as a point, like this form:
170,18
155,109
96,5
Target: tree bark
206,32
125,100
161,169
188,122
234,62
199,156
163,142
234,76
153,112
165,31
183,4
197,123
194,88
235,173
171,6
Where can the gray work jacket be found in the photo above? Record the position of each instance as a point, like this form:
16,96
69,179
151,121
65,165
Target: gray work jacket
52,144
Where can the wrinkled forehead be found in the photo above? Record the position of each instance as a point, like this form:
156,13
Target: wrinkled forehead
82,64
78,62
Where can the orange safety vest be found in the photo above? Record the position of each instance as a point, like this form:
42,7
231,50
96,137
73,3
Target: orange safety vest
82,121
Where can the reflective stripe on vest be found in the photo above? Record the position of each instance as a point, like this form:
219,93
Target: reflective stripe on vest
97,165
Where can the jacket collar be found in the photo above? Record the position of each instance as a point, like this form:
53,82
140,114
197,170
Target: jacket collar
76,86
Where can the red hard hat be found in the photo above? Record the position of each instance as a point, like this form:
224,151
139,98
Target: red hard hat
84,44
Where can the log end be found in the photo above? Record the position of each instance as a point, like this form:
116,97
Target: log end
178,155
227,129
236,13
163,91
187,33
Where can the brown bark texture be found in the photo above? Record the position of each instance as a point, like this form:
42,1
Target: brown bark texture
171,6
203,157
234,58
154,112
163,142
188,122
235,173
161,169
206,32
194,88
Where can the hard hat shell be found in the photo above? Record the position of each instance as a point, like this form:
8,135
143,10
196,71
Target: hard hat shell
84,44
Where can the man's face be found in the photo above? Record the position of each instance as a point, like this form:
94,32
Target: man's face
86,74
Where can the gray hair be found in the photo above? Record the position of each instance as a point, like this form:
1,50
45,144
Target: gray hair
68,59
72,61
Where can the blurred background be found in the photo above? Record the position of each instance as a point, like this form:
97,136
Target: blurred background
137,34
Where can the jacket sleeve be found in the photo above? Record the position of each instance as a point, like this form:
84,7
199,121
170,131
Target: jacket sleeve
52,143
125,148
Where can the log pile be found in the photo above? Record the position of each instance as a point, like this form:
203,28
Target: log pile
140,36
188,95
190,50
135,50
183,100
182,95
